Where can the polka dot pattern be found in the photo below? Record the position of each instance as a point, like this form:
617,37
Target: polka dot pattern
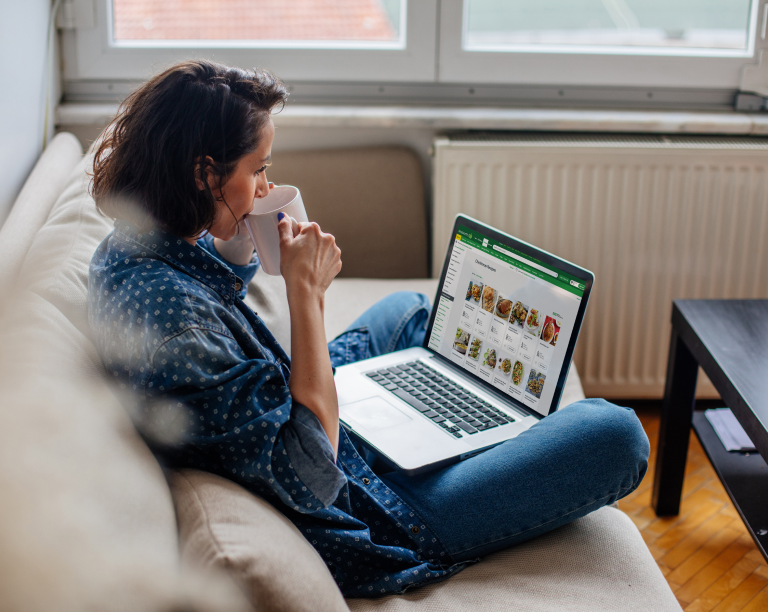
208,386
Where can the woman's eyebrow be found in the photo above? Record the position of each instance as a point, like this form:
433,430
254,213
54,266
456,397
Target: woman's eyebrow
267,158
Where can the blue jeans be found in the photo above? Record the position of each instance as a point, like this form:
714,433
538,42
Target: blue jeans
580,458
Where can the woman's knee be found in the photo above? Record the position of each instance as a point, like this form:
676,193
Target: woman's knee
404,302
414,312
614,435
396,322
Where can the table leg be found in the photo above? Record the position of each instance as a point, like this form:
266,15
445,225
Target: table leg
676,416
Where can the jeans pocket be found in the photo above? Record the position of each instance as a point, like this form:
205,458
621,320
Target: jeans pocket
349,347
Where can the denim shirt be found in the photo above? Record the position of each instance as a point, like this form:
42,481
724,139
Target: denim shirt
207,385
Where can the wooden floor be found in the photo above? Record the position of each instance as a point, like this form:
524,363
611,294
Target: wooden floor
705,552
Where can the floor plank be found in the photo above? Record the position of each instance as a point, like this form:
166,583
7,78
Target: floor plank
705,553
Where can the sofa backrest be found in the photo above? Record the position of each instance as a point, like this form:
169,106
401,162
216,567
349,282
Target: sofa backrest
34,202
371,199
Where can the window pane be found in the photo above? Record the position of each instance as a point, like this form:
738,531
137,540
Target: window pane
258,20
693,24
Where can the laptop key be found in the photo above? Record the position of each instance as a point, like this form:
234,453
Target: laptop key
409,399
467,427
438,419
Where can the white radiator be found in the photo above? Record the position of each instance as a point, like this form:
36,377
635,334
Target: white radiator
656,218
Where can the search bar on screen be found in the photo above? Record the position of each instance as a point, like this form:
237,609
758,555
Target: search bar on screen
527,262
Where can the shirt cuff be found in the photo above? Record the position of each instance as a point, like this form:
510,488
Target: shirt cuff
311,455
245,273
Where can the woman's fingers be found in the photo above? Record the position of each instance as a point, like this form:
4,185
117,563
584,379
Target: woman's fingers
285,229
310,255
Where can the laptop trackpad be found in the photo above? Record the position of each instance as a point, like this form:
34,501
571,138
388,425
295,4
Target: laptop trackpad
375,413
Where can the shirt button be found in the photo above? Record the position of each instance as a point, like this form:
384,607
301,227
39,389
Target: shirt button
366,481
237,286
415,530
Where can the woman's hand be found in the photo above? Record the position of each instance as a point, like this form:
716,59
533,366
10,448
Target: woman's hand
309,258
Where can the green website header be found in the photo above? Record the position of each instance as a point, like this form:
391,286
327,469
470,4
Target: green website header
519,260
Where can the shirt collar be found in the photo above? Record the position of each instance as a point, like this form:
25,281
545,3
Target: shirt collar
192,260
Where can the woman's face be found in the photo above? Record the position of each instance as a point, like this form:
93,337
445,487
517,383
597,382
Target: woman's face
247,181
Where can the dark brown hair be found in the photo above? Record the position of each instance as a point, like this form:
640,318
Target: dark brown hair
147,159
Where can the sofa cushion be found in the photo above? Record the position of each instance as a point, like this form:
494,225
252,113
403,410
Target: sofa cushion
223,525
599,562
56,267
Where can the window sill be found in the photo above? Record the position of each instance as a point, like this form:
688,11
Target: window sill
457,118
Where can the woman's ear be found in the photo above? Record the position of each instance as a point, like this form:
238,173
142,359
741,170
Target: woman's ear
200,171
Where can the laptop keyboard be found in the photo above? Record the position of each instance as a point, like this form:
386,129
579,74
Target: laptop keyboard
456,410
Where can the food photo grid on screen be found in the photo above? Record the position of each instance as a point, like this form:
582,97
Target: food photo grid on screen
506,318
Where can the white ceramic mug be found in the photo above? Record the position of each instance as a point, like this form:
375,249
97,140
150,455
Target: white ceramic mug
262,223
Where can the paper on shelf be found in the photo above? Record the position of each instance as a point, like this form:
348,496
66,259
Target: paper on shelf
729,430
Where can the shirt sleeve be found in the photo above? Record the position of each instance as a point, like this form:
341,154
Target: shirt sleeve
245,273
235,416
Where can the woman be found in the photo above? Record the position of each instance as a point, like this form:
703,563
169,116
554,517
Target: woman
212,389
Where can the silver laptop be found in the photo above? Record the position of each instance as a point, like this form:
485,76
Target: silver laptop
496,355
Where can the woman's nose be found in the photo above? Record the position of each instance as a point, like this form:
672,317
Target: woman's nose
262,186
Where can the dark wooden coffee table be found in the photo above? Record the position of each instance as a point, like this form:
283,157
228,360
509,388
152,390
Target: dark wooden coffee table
729,340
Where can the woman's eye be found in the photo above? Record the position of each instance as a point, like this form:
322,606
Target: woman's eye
260,170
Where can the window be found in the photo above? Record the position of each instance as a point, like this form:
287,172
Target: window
265,23
626,26
613,43
301,40
692,45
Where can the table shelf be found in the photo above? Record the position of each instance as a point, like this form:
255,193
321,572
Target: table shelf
745,478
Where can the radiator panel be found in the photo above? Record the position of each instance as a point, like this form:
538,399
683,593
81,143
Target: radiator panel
655,219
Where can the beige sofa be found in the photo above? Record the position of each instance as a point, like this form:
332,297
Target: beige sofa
90,520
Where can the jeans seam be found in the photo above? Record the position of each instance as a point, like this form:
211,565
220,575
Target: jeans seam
607,497
401,326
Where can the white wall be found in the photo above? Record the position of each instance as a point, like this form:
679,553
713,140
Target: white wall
23,33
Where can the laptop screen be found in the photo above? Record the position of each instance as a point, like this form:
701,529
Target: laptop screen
507,316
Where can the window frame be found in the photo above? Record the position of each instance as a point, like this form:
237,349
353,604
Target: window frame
91,54
430,66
